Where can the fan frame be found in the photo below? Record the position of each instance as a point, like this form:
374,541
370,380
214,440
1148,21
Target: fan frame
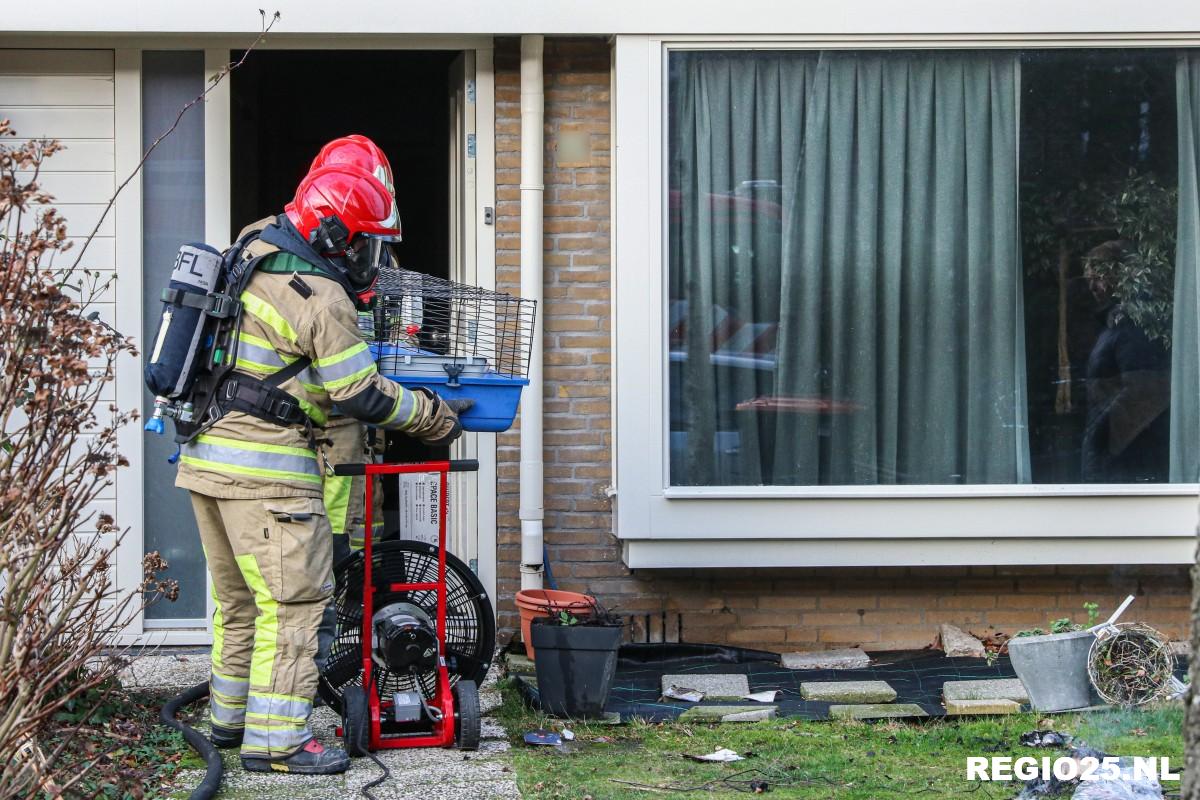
464,587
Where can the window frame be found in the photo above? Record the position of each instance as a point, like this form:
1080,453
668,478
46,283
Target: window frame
648,507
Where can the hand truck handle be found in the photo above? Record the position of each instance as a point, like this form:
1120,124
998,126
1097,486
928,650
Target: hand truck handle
456,465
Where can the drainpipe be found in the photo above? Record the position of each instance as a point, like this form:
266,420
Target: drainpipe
532,112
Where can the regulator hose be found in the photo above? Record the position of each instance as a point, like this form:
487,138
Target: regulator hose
199,742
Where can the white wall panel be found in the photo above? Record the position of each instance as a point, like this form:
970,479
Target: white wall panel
77,187
60,90
82,217
65,122
100,254
80,155
56,62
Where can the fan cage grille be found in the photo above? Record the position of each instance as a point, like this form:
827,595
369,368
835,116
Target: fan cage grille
470,631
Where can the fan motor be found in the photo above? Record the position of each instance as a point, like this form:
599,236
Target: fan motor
405,638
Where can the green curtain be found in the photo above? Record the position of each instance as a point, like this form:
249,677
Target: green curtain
903,293
736,124
1185,335
885,279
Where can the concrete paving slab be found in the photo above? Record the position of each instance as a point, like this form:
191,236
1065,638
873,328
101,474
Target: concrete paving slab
850,658
848,691
971,707
716,686
877,711
519,664
166,671
957,643
996,689
728,714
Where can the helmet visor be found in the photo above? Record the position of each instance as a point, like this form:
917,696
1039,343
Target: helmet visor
369,252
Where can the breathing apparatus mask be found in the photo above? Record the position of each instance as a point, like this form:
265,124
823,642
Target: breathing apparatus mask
360,259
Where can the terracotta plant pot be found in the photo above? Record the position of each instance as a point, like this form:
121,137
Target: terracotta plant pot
547,603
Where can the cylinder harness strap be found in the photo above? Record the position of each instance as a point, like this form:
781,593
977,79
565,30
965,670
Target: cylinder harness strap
262,397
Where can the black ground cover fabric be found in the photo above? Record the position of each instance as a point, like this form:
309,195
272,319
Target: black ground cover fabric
917,677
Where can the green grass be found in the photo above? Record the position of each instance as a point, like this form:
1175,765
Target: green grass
803,759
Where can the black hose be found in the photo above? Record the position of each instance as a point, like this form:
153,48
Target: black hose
199,742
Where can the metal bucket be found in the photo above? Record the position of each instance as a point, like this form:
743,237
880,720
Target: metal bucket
1054,669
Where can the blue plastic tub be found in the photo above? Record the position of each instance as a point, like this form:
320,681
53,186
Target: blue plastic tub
496,396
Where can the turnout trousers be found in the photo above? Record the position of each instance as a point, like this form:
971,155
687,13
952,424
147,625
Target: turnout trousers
272,577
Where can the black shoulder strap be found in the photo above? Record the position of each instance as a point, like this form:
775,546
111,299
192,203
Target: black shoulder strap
284,236
287,373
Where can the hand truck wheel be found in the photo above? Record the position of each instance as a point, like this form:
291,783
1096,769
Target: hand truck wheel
356,721
467,722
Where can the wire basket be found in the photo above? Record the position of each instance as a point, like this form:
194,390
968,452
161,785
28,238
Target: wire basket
1130,664
461,341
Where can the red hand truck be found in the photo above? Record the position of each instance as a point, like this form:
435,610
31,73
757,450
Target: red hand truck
364,726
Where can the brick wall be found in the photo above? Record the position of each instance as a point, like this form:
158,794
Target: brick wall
773,609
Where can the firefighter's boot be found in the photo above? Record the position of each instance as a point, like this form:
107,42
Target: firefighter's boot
312,759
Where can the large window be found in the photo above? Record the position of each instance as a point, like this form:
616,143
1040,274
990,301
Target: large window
930,268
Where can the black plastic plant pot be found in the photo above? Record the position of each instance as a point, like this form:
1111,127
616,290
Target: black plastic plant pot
575,666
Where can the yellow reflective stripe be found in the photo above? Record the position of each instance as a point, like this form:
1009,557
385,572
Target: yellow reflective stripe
272,728
291,698
258,341
336,358
314,413
266,313
254,472
351,378
412,412
276,718
218,622
395,409
253,366
337,501
208,438
266,624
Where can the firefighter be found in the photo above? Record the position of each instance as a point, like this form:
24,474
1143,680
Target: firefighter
255,476
348,438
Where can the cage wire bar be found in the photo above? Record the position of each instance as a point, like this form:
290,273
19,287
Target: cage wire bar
435,325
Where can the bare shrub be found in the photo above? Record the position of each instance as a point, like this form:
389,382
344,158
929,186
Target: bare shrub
60,611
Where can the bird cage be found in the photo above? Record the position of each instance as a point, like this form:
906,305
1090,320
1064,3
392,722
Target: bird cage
461,341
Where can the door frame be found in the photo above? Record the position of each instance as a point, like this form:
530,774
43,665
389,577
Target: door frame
476,235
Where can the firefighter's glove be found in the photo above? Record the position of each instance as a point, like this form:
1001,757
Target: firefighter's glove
439,424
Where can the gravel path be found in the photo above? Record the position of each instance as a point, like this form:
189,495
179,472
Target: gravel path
417,774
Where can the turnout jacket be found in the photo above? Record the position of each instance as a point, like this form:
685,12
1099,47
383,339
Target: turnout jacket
292,310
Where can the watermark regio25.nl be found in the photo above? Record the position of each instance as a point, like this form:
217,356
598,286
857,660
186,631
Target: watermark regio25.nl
1066,768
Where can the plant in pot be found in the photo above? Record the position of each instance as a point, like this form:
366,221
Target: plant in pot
576,660
1053,665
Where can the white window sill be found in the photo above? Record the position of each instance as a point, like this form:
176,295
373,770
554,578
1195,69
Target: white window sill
894,492
740,554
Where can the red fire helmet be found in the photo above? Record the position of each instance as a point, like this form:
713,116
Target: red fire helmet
356,198
354,150
357,151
